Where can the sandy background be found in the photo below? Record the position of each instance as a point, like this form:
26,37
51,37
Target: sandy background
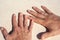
8,7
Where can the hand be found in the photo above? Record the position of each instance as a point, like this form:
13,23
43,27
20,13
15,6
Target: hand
20,31
46,18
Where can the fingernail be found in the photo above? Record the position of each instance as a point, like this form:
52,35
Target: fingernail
14,15
42,6
1,28
19,13
33,7
28,10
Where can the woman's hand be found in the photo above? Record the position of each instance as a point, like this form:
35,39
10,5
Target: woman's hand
20,31
46,18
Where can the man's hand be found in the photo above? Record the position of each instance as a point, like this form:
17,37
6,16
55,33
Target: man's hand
20,31
46,18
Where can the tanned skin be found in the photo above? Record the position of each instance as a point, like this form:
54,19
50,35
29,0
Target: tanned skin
47,19
44,17
21,31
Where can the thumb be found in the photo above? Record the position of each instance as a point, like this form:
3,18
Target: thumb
42,35
4,32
